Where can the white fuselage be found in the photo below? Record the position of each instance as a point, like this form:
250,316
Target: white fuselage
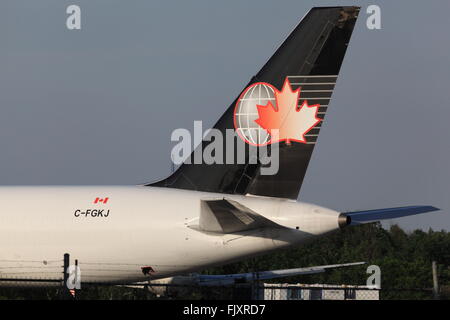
138,227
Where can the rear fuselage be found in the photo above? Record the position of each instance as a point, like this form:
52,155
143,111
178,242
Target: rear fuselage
115,231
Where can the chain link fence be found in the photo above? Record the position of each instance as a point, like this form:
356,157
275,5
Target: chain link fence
50,289
49,280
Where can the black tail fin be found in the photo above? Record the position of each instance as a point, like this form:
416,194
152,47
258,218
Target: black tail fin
309,59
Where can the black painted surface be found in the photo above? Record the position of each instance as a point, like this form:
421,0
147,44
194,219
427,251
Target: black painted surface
316,47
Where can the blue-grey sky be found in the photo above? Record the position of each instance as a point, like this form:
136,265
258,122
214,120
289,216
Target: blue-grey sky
98,105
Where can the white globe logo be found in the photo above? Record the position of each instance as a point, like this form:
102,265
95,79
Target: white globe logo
246,112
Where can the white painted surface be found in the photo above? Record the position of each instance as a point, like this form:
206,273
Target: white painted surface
146,226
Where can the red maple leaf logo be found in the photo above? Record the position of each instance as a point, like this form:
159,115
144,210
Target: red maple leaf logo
287,121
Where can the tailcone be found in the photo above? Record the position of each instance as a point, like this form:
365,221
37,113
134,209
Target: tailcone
344,220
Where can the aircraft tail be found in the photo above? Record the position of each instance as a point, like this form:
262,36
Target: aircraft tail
301,75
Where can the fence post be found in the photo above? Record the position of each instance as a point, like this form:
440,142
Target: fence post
64,290
435,281
76,279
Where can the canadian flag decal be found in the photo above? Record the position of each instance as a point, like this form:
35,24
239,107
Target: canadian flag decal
101,200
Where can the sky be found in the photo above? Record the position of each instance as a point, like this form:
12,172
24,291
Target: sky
97,106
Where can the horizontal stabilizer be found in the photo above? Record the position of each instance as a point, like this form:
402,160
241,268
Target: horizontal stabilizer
358,217
228,216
